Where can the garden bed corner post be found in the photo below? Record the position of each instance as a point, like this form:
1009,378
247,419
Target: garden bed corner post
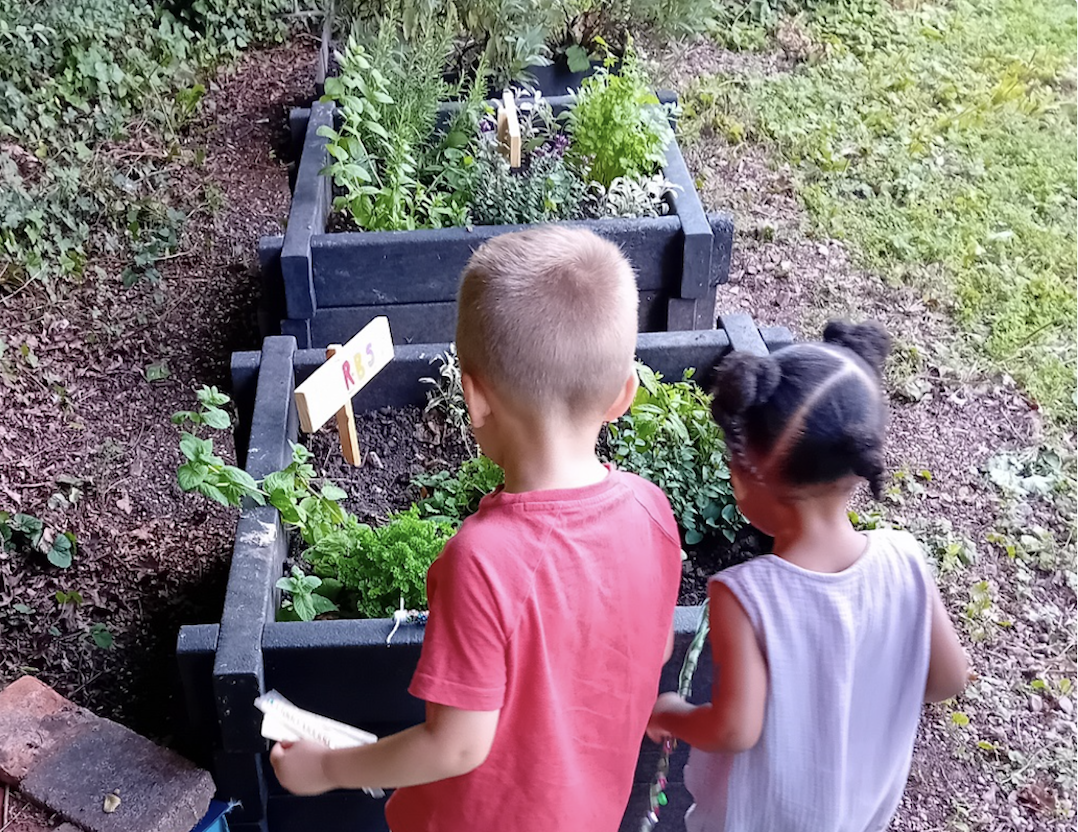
250,600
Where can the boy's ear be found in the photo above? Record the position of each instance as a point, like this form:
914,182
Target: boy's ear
624,399
476,399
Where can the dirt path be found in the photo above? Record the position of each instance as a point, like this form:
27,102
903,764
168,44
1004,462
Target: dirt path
1001,757
82,420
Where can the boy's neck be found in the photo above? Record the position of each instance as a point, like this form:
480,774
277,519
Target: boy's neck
548,457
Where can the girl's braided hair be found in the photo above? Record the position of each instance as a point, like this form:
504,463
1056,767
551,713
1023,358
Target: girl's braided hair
809,413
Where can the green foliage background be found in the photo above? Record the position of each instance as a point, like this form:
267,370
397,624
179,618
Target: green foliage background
77,76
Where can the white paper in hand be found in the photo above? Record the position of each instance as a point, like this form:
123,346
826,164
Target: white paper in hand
284,722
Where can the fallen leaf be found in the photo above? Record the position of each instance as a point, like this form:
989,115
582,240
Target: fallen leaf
124,504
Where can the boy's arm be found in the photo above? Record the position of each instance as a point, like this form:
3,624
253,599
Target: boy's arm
450,743
948,670
734,718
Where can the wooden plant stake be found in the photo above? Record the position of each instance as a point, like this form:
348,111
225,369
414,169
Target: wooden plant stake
346,423
509,129
330,388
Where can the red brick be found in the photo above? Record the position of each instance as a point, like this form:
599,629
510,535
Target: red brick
35,721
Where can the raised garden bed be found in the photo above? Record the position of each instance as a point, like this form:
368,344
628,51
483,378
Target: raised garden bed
321,286
343,668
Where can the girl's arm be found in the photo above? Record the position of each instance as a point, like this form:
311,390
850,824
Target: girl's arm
948,670
734,718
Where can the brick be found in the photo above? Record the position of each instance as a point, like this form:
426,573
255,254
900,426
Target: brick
159,790
35,721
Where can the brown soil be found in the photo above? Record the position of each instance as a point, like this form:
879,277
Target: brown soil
399,444
149,559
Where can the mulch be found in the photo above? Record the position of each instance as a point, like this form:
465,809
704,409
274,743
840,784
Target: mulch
149,558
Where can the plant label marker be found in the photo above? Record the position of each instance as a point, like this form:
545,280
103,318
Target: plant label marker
509,129
331,387
346,422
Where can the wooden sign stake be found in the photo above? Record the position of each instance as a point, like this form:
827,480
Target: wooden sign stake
330,388
346,423
509,129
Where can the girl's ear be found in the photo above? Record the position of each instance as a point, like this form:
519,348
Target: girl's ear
475,398
624,400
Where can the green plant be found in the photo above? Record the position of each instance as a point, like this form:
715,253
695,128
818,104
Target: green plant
388,101
451,497
305,601
669,438
69,98
210,412
627,197
314,512
101,636
546,190
204,471
378,566
447,396
29,534
617,125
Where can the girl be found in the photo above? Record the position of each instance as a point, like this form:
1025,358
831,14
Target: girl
824,650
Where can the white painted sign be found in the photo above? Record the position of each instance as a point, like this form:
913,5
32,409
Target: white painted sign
333,384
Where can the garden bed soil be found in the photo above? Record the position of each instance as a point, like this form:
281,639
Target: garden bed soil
400,443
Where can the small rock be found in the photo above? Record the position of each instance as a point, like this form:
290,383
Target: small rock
112,803
1065,705
375,460
1036,704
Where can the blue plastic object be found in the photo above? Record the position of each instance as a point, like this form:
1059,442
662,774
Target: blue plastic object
215,818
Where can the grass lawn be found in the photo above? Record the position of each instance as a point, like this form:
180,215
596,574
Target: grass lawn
939,140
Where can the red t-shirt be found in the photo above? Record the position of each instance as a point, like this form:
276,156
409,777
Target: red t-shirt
555,607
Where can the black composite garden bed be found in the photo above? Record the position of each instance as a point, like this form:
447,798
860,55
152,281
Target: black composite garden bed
321,287
344,668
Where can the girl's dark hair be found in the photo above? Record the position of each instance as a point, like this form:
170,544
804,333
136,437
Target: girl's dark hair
811,412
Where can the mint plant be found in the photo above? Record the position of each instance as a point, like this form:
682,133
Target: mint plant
291,491
305,603
451,497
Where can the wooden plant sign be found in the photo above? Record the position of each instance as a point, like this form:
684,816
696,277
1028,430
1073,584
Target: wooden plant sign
509,129
330,388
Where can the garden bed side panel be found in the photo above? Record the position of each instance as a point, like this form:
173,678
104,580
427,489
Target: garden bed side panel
319,283
345,668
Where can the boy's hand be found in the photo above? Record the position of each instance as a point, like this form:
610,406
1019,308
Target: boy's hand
667,703
300,767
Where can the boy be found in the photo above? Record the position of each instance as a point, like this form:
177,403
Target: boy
557,592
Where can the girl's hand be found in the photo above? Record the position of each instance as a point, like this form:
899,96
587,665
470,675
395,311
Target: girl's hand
667,703
300,767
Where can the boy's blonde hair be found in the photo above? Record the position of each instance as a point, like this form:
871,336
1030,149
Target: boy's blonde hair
548,317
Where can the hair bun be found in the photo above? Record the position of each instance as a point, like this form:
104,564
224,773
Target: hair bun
744,380
869,340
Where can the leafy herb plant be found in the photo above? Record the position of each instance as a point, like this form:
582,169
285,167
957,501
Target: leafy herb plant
669,438
449,497
380,565
617,124
305,602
